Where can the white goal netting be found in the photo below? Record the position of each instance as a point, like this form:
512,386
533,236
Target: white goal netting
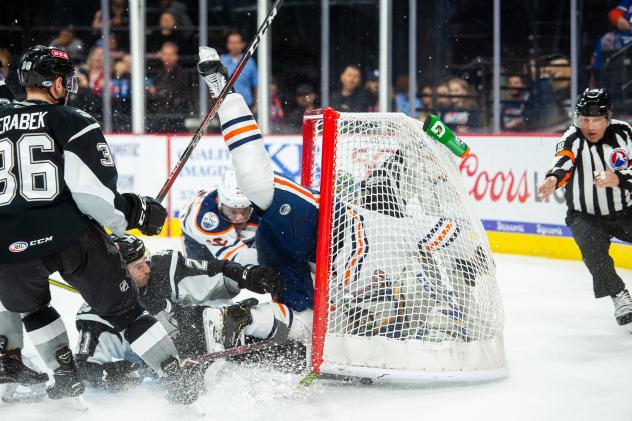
412,288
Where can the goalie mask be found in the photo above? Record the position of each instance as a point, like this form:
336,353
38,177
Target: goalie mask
233,205
40,66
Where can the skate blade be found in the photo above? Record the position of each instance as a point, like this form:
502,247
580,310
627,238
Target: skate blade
196,409
14,392
8,393
78,403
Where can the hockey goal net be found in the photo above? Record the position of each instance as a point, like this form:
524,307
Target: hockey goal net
405,280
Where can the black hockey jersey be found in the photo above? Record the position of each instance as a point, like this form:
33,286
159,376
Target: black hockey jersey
56,173
175,279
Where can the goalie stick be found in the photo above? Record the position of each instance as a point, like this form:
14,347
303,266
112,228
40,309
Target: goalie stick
218,101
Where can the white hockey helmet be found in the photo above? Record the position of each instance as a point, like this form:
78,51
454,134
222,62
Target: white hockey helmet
229,193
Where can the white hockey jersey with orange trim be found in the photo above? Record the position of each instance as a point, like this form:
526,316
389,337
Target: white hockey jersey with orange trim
208,235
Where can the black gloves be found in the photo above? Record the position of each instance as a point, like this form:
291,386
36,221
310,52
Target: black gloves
259,279
144,213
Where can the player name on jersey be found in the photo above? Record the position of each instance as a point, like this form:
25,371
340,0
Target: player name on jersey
25,121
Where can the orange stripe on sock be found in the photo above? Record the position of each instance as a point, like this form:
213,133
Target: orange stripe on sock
441,237
240,131
282,307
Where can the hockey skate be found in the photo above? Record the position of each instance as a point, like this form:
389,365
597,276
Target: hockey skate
68,384
212,70
224,327
13,370
623,307
180,384
23,383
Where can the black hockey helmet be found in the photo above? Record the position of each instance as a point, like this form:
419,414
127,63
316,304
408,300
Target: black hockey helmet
131,247
594,103
40,65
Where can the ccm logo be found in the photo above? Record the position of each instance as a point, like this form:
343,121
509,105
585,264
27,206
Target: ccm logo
58,53
20,246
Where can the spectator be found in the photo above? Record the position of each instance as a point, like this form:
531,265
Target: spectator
180,12
558,71
620,36
542,107
401,96
350,98
461,116
306,100
67,41
119,21
277,114
426,102
10,76
167,32
94,70
121,104
167,93
85,99
246,83
621,15
513,114
116,53
442,100
372,86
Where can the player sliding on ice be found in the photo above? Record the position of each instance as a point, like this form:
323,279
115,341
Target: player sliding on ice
178,292
286,234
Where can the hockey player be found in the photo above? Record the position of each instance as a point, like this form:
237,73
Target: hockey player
288,214
59,190
593,161
12,368
177,291
219,224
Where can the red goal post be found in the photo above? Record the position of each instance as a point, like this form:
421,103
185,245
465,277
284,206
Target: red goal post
387,321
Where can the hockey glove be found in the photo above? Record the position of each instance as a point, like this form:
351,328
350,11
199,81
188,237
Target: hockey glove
144,213
212,71
261,279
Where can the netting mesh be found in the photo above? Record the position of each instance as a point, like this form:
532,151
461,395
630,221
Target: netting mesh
409,259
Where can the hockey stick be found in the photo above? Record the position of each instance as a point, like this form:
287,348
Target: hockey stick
279,337
63,286
211,113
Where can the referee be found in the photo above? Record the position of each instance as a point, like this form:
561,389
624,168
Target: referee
593,161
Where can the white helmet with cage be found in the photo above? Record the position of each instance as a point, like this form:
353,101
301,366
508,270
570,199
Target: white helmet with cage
229,193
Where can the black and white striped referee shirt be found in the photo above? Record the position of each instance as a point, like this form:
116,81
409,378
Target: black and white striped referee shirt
576,159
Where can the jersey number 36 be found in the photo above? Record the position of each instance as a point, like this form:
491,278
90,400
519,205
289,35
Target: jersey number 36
39,179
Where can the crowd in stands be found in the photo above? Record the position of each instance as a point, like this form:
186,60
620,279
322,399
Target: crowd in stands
534,97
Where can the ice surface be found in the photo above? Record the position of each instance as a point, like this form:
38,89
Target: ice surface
568,361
